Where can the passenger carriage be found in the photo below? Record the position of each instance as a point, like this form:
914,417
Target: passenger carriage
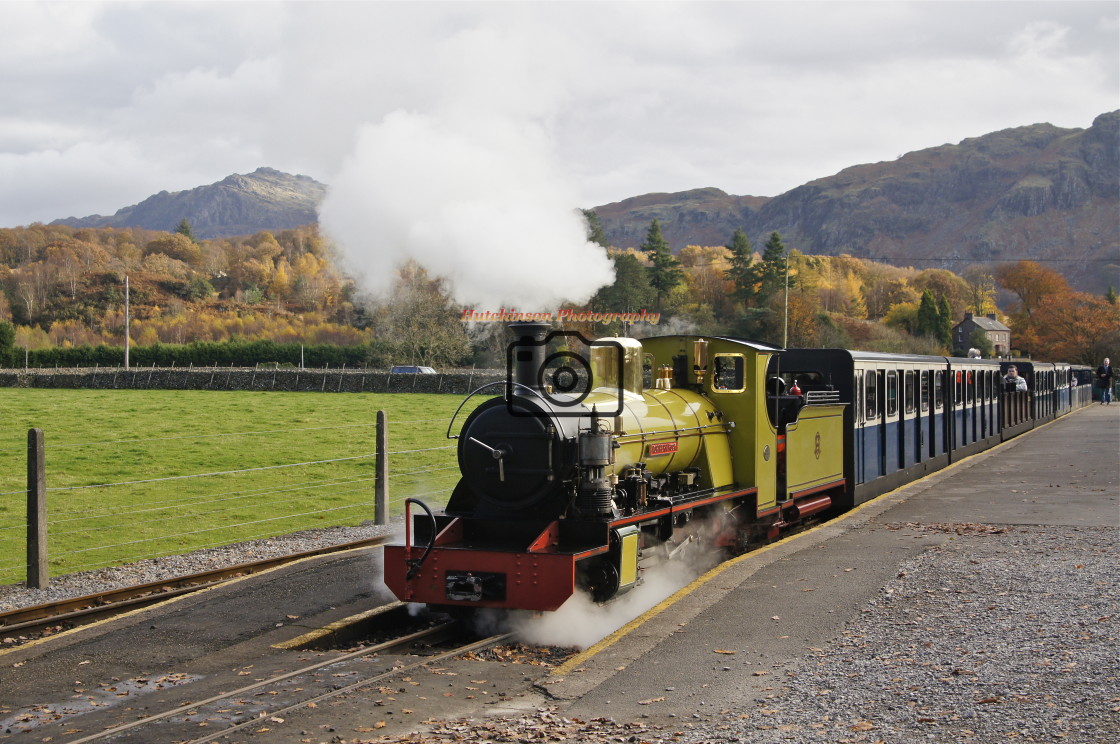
974,402
896,427
1081,385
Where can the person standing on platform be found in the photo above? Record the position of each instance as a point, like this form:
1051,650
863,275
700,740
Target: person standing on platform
1104,381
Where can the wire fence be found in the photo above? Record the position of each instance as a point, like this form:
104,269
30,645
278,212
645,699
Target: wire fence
93,522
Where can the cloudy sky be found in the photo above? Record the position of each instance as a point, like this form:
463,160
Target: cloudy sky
104,104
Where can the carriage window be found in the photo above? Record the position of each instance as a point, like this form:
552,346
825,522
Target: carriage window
923,393
970,386
958,388
872,397
938,389
857,404
729,374
892,393
910,392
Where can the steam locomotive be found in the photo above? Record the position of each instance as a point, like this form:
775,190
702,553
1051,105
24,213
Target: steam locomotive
600,458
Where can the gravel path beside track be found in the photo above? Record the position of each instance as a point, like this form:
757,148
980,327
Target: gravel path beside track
1000,634
16,596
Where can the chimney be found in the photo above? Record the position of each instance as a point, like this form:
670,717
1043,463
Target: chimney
967,316
991,316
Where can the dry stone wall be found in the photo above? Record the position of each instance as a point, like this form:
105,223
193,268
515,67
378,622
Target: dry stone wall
240,378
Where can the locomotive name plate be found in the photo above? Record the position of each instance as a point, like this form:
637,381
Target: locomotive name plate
663,448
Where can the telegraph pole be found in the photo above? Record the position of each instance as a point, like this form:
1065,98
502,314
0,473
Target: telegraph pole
785,320
126,338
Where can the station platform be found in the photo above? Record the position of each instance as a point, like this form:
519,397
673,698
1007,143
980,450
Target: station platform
728,652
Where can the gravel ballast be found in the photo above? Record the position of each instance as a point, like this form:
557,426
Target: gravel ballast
16,596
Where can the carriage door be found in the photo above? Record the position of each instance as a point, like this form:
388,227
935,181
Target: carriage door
925,443
972,403
858,421
913,422
872,431
893,426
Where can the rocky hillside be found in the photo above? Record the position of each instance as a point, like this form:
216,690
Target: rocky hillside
1039,192
265,199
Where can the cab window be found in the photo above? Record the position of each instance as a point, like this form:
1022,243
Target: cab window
910,392
728,375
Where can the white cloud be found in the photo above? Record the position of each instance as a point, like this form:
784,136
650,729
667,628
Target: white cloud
750,97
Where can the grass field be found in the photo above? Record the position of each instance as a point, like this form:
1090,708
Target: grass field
147,440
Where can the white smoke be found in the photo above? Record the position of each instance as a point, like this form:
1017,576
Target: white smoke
580,622
478,200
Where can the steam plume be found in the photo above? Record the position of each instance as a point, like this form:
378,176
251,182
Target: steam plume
480,201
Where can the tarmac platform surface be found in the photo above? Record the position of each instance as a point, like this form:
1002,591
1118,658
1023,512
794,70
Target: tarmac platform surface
775,605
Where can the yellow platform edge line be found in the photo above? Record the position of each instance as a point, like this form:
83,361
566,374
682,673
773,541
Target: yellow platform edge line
318,633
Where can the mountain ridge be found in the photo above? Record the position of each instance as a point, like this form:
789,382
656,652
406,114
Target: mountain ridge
239,204
1038,192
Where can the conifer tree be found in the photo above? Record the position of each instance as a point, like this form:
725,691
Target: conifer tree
742,272
929,319
772,272
665,270
184,228
595,232
945,315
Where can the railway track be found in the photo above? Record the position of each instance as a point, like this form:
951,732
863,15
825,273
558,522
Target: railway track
432,635
76,611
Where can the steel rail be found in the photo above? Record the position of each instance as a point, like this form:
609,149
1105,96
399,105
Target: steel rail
476,646
91,606
255,720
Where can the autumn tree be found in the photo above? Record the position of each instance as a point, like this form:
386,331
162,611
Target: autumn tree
706,282
942,283
422,321
1075,327
981,293
1032,283
176,246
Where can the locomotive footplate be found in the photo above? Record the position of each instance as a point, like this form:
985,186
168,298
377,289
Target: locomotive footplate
467,562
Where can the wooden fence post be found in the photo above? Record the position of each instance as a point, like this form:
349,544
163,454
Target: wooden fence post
37,574
381,479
